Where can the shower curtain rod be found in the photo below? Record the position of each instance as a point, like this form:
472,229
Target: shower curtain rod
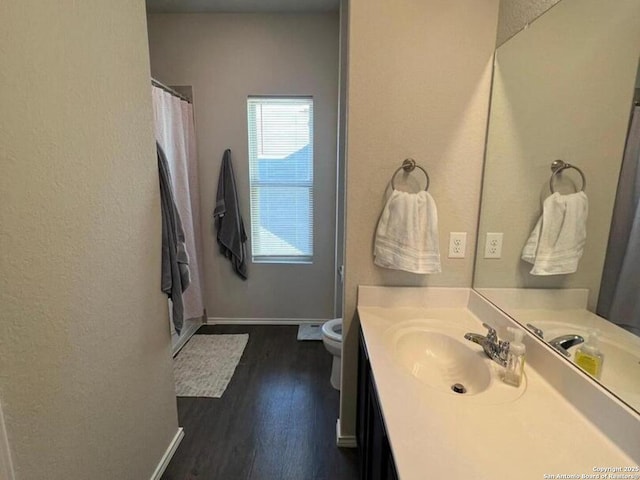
169,89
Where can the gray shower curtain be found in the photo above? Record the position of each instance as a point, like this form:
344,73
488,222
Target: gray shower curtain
619,299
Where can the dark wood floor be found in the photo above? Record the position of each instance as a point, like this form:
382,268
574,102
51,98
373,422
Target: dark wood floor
275,421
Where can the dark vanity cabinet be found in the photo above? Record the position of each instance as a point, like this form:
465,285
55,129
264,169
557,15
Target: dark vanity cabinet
376,460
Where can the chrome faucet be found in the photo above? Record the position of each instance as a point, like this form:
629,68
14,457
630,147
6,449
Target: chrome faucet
539,333
564,342
496,350
561,343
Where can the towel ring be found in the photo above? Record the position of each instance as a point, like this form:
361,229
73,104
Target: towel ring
409,165
557,167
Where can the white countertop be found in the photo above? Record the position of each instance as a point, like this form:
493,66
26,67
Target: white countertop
434,434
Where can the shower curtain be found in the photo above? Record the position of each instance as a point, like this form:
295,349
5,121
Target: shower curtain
175,132
619,299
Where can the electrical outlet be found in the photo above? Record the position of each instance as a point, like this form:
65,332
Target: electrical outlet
457,244
493,245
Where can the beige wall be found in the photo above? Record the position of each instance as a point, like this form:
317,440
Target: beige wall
562,89
86,381
515,15
226,57
419,79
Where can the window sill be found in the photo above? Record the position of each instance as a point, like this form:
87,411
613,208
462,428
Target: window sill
282,261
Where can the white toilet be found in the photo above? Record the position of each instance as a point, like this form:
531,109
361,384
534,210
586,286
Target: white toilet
332,339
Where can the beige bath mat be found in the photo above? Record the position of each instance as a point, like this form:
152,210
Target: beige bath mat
205,365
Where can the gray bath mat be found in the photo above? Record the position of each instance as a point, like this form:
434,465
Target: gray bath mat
205,365
310,332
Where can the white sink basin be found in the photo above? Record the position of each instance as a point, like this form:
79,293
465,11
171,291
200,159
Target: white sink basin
441,361
436,354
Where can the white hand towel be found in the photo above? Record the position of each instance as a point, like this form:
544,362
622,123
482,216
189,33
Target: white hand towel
557,241
407,234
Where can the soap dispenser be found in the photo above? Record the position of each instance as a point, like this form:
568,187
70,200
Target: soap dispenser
589,357
515,358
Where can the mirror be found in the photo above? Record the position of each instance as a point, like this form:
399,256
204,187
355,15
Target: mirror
563,89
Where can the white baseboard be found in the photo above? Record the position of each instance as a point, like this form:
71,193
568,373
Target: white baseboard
266,321
345,441
166,458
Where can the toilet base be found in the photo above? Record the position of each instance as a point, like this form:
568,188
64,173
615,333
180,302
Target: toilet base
335,372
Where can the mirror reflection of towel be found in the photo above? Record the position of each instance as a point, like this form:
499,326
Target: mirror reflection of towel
407,234
229,224
556,243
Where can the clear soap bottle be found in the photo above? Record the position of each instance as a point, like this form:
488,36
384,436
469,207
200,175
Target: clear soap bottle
515,358
589,357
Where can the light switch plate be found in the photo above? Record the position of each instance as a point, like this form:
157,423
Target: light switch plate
457,244
493,245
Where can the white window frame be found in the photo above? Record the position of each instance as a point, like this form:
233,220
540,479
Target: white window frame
255,184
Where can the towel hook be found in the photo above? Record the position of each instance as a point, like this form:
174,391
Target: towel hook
409,165
557,166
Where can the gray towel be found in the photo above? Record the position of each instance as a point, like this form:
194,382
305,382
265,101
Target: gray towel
175,261
229,224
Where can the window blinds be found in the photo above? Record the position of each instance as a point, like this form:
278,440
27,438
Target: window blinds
281,178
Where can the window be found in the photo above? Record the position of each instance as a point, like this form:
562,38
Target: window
281,178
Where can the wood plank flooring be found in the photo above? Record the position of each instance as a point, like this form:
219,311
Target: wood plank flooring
275,421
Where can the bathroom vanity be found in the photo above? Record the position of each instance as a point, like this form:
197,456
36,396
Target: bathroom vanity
413,423
376,459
